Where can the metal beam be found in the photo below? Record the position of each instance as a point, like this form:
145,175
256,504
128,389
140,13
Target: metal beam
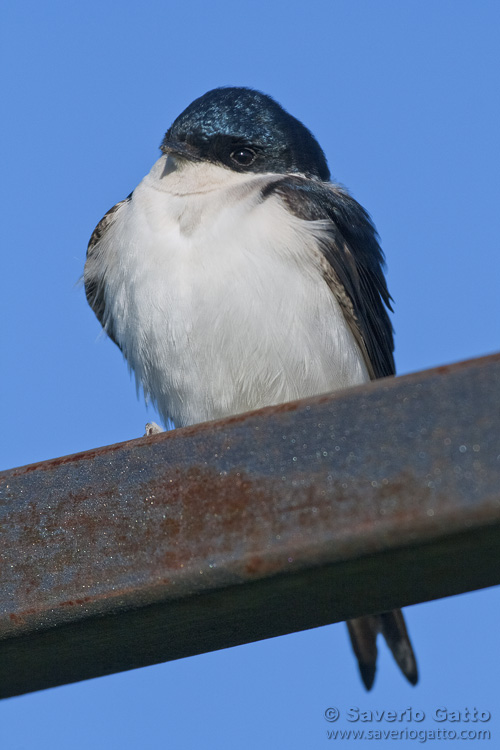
255,526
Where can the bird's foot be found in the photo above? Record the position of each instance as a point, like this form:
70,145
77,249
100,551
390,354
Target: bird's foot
153,429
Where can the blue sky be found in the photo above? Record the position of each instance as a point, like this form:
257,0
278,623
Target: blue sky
403,97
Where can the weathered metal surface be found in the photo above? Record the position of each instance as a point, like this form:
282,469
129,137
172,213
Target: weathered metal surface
251,527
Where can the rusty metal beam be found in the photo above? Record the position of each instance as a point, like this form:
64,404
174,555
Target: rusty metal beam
251,527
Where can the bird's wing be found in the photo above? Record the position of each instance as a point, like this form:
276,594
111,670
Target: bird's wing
352,263
95,271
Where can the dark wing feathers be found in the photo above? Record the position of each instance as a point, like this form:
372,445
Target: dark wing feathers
353,265
353,268
95,283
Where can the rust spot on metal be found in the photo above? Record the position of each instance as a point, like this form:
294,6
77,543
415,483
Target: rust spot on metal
77,602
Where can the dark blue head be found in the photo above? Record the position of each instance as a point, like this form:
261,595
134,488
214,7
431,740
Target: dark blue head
248,132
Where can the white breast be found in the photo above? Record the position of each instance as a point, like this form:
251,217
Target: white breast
217,298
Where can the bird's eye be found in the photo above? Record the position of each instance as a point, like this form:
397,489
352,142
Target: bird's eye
243,156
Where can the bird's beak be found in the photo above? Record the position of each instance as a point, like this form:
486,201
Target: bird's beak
179,148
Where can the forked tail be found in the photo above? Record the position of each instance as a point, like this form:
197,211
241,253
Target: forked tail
364,631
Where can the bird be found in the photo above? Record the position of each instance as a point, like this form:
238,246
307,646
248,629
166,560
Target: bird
238,275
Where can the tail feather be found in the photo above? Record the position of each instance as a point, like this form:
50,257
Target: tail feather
363,632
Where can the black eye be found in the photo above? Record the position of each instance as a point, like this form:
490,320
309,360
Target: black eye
243,156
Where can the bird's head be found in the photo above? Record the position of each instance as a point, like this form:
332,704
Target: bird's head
246,131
